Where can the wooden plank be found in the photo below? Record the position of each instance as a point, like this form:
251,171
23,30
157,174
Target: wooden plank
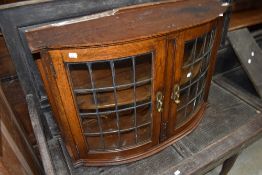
242,19
152,165
241,5
17,3
3,169
38,130
241,88
125,25
19,106
14,140
221,149
249,54
15,152
6,66
228,164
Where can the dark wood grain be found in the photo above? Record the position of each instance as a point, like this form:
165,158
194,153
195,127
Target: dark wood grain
19,106
245,18
16,154
9,1
243,5
7,68
140,23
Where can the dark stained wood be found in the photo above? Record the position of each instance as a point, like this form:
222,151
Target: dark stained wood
17,155
10,86
10,160
3,169
19,106
176,53
243,5
228,164
9,1
249,54
175,49
108,29
245,18
7,68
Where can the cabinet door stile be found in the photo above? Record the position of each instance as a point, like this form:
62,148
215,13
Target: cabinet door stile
160,123
175,53
68,103
56,103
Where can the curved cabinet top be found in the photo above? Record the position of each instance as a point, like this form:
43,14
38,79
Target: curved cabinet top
124,24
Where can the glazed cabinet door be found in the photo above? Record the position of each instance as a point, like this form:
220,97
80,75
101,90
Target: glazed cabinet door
112,98
192,52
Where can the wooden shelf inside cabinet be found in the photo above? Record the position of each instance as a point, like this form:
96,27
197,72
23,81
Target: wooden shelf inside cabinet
106,99
128,84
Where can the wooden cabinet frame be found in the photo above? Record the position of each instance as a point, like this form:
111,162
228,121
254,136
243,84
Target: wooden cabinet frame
168,50
177,51
57,59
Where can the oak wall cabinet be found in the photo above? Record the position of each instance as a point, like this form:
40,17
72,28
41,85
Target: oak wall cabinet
129,82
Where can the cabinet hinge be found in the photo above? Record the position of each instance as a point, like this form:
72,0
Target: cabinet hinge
163,131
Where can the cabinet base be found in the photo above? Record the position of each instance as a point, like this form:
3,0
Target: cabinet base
190,126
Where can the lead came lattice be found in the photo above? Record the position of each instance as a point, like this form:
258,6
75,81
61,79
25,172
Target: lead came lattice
194,72
105,121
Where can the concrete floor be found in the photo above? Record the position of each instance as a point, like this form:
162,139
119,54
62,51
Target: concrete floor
249,162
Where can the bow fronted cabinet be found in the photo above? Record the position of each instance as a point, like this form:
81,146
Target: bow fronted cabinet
127,83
